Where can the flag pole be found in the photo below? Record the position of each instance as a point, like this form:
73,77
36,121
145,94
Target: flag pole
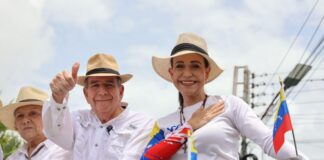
292,129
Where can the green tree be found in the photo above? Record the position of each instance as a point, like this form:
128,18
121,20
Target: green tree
10,141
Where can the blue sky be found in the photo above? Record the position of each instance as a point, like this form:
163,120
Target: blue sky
39,38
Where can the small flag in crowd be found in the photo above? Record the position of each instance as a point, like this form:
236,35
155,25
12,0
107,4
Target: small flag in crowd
282,122
192,152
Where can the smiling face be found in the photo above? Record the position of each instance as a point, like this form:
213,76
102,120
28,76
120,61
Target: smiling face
104,94
189,74
28,122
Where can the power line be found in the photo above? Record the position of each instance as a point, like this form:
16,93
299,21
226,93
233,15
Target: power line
255,85
274,93
311,40
304,84
280,73
294,41
318,53
315,51
309,102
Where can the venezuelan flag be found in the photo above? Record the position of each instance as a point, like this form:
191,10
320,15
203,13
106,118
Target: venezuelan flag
192,152
282,122
156,136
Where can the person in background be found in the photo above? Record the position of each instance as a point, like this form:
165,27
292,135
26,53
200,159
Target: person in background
109,129
25,117
190,68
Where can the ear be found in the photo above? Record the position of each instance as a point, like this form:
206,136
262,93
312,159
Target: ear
207,72
170,70
15,125
85,93
121,91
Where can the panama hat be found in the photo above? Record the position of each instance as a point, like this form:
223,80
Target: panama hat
26,96
187,43
103,65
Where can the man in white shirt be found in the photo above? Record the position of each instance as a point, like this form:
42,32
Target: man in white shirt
109,130
25,116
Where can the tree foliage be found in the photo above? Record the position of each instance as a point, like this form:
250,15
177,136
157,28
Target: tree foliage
9,141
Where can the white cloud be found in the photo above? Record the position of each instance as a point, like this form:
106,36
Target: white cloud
25,45
80,14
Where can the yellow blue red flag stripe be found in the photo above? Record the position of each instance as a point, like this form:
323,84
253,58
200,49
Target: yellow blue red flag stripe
282,122
192,152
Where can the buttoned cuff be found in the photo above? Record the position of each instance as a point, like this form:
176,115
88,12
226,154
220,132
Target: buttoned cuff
58,109
58,106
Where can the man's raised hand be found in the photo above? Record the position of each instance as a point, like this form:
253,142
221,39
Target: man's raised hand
64,82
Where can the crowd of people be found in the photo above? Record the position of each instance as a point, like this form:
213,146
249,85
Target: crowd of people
203,126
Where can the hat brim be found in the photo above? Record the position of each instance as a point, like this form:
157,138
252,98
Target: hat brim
7,112
124,78
161,65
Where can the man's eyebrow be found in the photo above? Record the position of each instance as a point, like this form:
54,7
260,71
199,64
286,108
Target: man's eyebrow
94,81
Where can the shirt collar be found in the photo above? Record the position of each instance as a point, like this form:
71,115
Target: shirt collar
45,144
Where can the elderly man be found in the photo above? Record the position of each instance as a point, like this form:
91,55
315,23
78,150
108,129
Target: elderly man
25,117
109,130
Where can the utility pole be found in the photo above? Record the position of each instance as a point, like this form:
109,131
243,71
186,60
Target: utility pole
245,95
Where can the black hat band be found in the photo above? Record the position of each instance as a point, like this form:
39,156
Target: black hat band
102,70
187,46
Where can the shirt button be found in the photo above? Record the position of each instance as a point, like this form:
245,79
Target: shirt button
58,109
58,125
96,145
64,107
101,126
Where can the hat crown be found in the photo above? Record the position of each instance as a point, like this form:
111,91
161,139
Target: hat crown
103,65
31,94
192,39
187,43
102,60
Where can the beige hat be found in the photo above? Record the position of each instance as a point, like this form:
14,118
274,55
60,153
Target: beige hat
26,96
187,43
103,65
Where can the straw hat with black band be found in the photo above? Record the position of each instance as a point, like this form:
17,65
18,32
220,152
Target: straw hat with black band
103,65
187,43
26,96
